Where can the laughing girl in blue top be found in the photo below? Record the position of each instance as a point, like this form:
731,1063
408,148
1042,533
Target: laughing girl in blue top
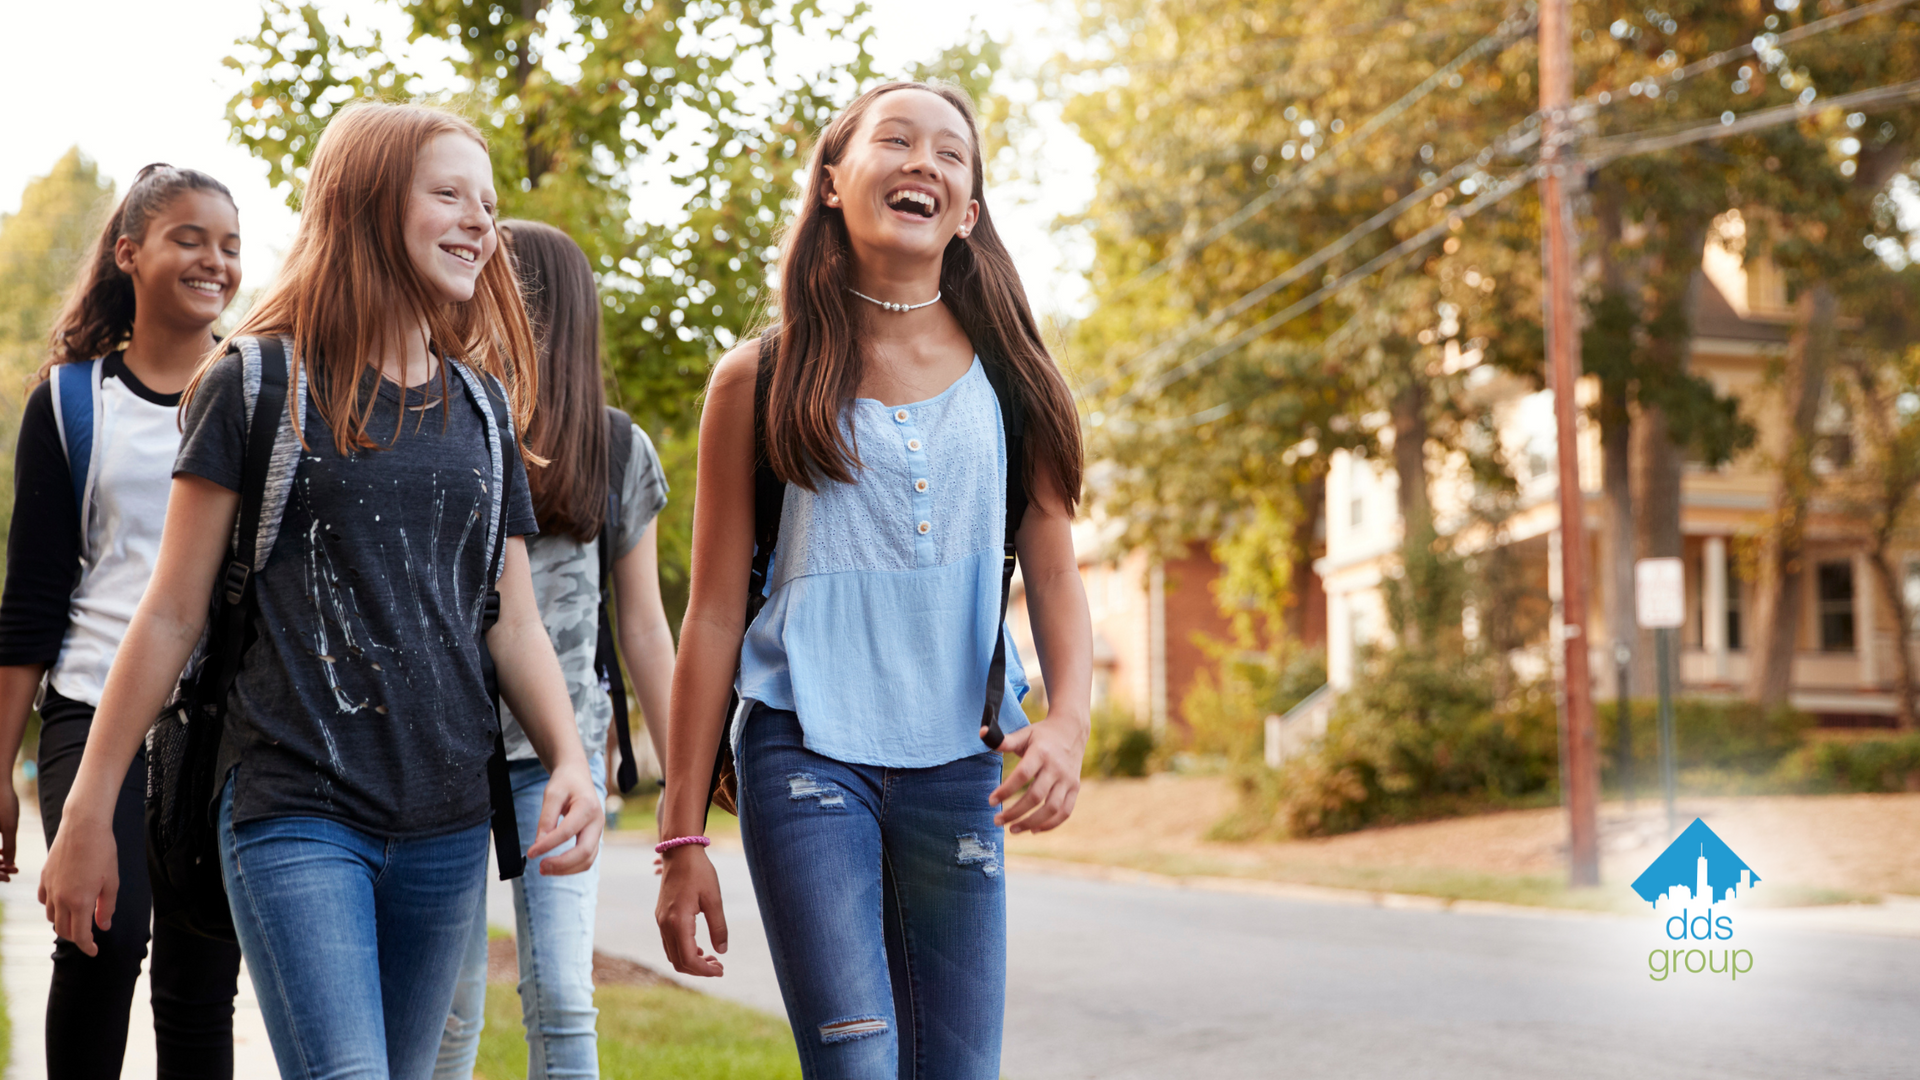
870,805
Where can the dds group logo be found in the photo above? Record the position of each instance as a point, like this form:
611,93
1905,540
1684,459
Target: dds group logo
1694,886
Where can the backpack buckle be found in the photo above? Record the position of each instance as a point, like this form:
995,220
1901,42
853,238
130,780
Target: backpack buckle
235,583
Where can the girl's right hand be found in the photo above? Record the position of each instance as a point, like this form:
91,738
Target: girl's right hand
81,881
689,888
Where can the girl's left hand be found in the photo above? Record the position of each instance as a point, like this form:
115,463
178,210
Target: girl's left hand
571,810
1049,770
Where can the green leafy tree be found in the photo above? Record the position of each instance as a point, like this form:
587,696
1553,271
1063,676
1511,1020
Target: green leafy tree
1263,151
40,249
581,102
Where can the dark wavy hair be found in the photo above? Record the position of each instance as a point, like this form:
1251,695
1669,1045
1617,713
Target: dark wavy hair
569,426
98,314
818,364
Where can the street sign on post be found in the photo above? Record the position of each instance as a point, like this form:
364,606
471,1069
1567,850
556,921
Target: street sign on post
1660,595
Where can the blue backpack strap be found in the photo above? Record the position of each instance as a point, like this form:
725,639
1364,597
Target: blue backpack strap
74,409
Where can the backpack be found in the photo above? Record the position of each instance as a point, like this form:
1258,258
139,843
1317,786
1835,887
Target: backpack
606,653
76,414
183,745
769,499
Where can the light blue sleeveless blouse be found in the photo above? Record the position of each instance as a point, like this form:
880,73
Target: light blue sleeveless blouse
884,594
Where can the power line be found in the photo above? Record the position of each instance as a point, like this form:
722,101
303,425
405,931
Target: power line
1228,408
1314,299
1513,143
1508,29
1605,152
1771,41
1600,151
1239,52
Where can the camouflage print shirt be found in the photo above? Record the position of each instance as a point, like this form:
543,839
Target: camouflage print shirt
566,585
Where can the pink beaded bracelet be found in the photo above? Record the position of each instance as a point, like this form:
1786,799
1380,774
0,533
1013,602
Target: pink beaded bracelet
665,846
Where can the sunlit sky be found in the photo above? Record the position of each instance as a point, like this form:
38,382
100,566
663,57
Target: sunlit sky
136,81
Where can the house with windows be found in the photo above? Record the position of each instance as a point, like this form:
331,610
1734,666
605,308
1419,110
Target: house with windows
1152,621
1844,660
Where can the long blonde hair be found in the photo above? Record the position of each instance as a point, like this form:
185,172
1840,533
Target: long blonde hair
348,287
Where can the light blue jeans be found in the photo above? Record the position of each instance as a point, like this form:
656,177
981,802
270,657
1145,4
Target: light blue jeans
884,901
553,919
347,938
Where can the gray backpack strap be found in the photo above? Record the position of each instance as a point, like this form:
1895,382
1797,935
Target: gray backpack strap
286,443
486,390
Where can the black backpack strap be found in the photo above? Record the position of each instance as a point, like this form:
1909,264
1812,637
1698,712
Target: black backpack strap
606,653
769,499
1013,421
769,492
232,621
506,823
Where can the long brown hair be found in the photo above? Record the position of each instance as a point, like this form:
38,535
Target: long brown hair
819,361
569,426
348,287
97,317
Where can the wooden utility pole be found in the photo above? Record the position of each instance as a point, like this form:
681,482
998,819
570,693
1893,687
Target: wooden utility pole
1562,169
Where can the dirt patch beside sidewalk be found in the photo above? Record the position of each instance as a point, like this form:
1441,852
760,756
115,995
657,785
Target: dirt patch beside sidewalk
1806,849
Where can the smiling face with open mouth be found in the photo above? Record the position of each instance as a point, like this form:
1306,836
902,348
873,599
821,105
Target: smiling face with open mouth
449,224
905,183
186,267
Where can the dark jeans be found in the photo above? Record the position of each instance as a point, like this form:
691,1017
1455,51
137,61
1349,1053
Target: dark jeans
193,977
884,904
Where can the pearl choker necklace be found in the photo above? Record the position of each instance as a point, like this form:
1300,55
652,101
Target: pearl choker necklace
895,307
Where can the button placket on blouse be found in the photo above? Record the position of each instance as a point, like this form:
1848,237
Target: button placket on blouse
917,472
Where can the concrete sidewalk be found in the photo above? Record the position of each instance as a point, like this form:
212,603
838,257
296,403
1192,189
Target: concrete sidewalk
26,948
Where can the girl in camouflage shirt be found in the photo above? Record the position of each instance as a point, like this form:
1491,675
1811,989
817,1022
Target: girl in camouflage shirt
554,916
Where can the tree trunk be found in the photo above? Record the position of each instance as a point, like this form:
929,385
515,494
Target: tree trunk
539,158
1611,355
1616,456
1656,450
1313,501
1410,468
1891,590
1656,476
1783,549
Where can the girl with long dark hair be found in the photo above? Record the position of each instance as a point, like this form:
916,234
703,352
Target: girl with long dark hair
97,443
573,429
871,806
353,807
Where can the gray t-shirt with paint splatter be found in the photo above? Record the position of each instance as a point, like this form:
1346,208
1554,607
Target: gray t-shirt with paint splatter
566,582
360,698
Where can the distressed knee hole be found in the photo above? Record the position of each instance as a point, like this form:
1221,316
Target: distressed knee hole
801,787
973,851
854,1027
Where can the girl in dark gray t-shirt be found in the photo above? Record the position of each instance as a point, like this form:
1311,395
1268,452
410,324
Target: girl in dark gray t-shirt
352,822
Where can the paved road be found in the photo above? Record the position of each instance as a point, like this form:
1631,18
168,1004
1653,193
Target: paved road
1116,980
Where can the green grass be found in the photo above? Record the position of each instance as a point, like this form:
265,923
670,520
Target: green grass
1521,889
653,1031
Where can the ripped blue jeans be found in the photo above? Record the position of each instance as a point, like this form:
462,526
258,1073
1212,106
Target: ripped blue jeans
884,901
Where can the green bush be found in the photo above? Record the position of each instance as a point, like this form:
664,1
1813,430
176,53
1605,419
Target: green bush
1118,745
1869,765
1726,739
1419,736
1227,705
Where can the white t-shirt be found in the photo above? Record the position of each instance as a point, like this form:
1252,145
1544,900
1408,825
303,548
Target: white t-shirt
138,437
